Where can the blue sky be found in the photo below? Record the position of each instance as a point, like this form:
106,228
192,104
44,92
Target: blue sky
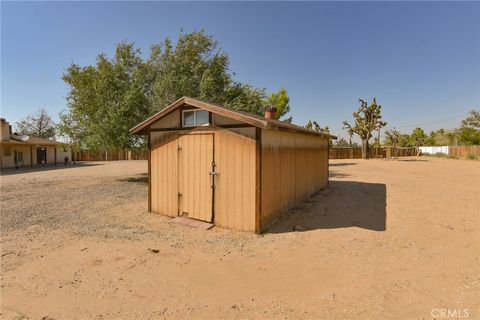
421,60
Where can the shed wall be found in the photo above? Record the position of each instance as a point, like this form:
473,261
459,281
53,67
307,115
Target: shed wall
235,159
293,167
164,173
220,120
171,120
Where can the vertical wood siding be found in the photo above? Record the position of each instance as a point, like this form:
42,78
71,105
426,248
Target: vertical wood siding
235,157
195,185
164,173
294,166
171,120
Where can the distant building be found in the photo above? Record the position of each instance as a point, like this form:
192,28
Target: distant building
20,150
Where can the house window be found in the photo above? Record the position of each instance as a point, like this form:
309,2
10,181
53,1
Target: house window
196,117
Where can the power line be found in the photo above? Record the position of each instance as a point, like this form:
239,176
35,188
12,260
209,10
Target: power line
431,122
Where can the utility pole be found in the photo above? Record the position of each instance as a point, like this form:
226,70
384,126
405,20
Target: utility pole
378,142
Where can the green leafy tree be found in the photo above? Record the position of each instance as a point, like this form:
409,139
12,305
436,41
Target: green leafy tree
441,137
245,97
469,131
468,136
419,138
473,120
193,67
404,140
281,101
368,118
107,99
342,143
38,124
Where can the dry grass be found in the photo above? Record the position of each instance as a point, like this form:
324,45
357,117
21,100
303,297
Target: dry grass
389,238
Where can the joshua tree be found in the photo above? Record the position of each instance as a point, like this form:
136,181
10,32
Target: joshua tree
392,137
313,125
367,119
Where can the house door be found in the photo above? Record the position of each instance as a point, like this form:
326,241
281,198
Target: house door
41,155
195,163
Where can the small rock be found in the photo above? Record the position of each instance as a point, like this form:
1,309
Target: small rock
154,250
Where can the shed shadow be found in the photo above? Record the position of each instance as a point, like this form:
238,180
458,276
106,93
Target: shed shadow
336,174
341,164
139,178
411,160
343,204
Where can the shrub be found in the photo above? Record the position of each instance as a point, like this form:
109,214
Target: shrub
472,157
441,154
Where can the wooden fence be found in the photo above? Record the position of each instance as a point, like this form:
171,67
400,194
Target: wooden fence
110,155
464,152
384,152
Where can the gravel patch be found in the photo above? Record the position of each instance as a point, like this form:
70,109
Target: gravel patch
82,206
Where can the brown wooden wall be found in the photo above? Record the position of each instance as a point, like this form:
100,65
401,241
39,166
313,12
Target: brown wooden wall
164,173
293,167
235,159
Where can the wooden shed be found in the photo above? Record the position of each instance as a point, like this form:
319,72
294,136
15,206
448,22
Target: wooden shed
231,168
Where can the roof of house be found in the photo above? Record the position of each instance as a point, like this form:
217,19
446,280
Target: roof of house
15,139
242,116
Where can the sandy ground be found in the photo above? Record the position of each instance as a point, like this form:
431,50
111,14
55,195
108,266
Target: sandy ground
389,239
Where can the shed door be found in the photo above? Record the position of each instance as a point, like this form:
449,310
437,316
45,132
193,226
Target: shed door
195,158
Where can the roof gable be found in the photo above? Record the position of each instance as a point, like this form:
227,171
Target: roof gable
242,116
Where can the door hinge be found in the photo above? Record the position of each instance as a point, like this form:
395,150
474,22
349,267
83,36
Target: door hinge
179,148
180,194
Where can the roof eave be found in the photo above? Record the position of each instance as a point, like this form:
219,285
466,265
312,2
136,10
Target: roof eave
141,127
256,121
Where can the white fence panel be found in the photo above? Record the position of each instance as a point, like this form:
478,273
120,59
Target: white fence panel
434,149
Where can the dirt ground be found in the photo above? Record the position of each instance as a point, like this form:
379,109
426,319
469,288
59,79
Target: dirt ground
389,239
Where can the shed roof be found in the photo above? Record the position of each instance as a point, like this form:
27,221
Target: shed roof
242,116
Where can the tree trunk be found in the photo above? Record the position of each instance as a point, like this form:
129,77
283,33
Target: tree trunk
365,149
